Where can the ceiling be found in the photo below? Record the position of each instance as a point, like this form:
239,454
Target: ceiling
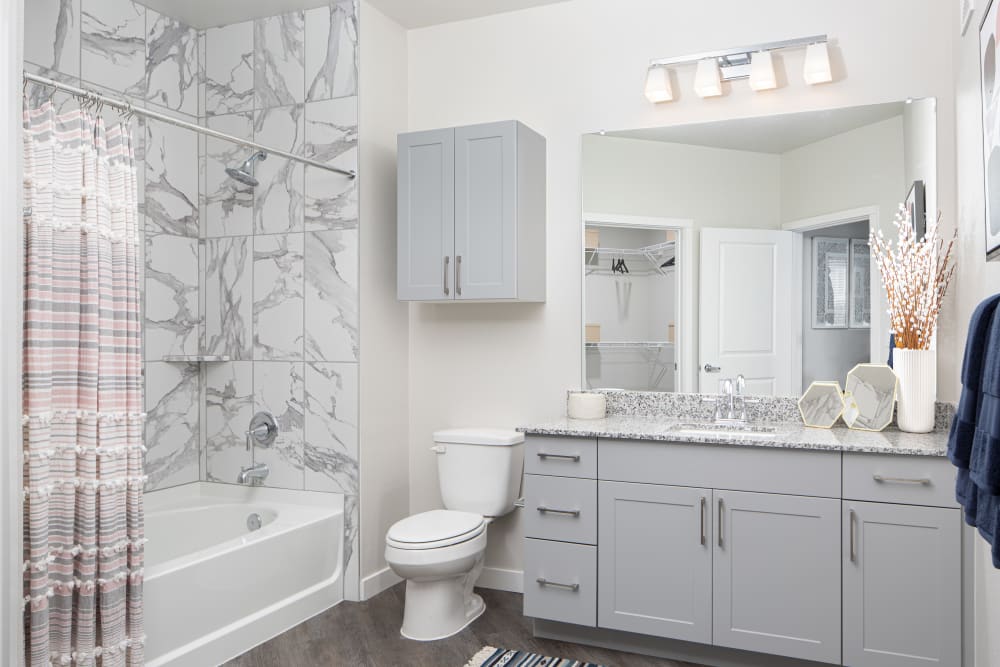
423,13
408,13
769,134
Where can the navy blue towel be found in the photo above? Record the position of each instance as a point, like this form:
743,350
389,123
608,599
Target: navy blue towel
963,428
984,462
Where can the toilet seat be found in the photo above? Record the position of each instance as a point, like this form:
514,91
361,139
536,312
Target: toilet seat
435,529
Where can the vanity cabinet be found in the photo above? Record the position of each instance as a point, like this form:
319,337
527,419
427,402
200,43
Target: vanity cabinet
777,574
471,214
829,557
902,585
655,560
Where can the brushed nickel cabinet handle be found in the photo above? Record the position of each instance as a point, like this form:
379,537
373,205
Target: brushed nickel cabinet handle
570,587
575,458
447,261
720,521
549,510
854,543
925,481
703,504
458,275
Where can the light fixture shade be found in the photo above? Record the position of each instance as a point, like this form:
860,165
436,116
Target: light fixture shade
762,71
817,66
707,80
658,88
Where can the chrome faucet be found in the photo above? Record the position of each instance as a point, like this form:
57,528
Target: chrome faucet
253,475
262,432
730,408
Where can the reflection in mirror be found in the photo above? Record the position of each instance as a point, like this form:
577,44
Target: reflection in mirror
772,275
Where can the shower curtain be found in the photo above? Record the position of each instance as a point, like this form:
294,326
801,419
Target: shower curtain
83,477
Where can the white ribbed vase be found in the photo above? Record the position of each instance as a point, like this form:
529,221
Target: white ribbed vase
917,373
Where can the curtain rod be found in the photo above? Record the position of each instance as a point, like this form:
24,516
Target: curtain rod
90,95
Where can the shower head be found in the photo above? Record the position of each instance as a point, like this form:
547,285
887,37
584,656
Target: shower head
244,173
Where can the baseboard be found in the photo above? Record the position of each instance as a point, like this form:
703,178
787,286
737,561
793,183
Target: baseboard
500,579
375,583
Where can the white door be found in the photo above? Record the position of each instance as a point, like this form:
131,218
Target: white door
746,304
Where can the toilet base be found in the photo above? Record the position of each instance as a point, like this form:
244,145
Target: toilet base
443,607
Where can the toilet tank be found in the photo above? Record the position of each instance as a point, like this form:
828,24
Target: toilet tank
479,469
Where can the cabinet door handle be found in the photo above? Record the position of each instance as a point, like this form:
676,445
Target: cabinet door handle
458,275
447,261
720,521
925,481
854,543
570,587
703,504
575,458
549,510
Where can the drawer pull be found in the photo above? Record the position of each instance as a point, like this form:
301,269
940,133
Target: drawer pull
925,481
549,510
555,584
575,458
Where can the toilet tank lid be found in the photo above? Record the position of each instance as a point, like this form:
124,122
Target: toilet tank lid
480,436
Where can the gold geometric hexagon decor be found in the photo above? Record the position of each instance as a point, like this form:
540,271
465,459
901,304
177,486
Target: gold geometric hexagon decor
870,397
822,404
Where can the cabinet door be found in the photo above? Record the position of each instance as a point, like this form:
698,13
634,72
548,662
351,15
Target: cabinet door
486,211
655,560
902,585
777,574
426,216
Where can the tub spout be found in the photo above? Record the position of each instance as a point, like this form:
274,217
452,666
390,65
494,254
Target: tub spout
253,475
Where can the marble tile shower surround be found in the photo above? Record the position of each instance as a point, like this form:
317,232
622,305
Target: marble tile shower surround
701,408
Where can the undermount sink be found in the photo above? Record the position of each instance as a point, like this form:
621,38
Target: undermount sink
717,430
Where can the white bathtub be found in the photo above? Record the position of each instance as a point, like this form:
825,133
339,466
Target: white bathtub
214,589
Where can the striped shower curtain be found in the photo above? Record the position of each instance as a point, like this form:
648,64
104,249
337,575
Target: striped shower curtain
83,476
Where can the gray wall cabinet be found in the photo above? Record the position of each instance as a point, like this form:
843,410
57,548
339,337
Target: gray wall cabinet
471,214
655,560
777,574
902,585
733,555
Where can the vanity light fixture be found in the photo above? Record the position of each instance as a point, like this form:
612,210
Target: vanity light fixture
747,62
762,75
708,78
658,88
817,67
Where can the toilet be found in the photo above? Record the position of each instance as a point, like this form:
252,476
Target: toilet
440,552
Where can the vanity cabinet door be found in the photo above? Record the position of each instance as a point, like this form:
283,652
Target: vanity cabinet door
902,585
777,574
655,560
426,216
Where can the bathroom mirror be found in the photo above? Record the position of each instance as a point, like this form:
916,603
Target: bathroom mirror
740,246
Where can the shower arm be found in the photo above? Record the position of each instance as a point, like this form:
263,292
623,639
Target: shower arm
89,95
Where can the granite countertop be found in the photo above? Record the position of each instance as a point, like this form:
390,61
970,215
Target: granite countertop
786,435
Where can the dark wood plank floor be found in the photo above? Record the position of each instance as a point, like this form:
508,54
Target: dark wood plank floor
366,634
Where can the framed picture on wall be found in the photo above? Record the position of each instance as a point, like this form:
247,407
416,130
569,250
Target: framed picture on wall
861,285
991,126
830,279
916,207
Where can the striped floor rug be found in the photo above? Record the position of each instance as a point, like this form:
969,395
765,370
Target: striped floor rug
503,657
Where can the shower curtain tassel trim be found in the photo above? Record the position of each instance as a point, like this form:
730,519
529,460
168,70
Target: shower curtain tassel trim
88,657
69,416
110,452
104,485
78,550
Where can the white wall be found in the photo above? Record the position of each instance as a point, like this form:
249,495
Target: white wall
551,68
384,387
977,279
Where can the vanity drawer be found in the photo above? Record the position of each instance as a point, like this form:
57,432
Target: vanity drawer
560,582
566,457
894,478
798,472
560,508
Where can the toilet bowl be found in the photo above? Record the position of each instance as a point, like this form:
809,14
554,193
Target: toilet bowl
441,559
440,552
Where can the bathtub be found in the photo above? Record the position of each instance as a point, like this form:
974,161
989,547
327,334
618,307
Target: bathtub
214,588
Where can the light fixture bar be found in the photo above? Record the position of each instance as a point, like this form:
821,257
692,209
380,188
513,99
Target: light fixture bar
740,51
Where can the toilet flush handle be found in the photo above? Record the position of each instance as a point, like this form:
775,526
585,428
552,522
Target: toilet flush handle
438,449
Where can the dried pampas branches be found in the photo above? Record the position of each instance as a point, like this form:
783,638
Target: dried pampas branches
916,274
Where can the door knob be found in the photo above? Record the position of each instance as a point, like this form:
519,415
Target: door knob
709,368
